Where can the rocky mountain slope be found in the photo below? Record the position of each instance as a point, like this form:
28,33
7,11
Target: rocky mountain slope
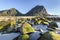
36,11
10,12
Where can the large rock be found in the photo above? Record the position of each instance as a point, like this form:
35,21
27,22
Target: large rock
26,28
50,36
7,26
53,25
4,26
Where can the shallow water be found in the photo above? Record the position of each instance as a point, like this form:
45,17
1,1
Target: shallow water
38,27
36,35
9,36
58,23
33,36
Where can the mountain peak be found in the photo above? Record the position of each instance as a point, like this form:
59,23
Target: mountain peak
37,10
10,12
12,9
39,6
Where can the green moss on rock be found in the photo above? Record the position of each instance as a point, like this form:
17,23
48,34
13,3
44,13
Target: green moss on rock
50,36
53,25
26,28
22,37
4,25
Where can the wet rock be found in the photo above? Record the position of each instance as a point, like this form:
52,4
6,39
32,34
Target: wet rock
53,25
45,23
26,28
50,36
4,26
22,37
35,35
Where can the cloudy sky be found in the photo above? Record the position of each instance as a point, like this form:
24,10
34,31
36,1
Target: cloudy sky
52,6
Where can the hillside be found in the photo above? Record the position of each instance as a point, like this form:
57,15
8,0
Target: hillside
10,12
37,10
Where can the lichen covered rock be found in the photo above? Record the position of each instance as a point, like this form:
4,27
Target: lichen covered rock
45,23
26,28
53,25
50,36
4,25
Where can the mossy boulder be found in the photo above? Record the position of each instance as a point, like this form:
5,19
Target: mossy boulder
49,36
20,21
22,37
4,25
26,28
12,23
7,26
53,25
39,22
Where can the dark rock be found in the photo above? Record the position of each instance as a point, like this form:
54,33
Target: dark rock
22,37
53,25
49,36
37,10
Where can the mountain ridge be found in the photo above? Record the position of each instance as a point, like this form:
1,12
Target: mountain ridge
35,11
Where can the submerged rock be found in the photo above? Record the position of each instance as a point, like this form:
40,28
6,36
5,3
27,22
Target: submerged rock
26,28
50,36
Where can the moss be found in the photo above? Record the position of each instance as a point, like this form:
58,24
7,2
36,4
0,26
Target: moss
4,25
26,28
39,22
45,23
21,20
50,36
45,19
12,22
53,25
22,37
